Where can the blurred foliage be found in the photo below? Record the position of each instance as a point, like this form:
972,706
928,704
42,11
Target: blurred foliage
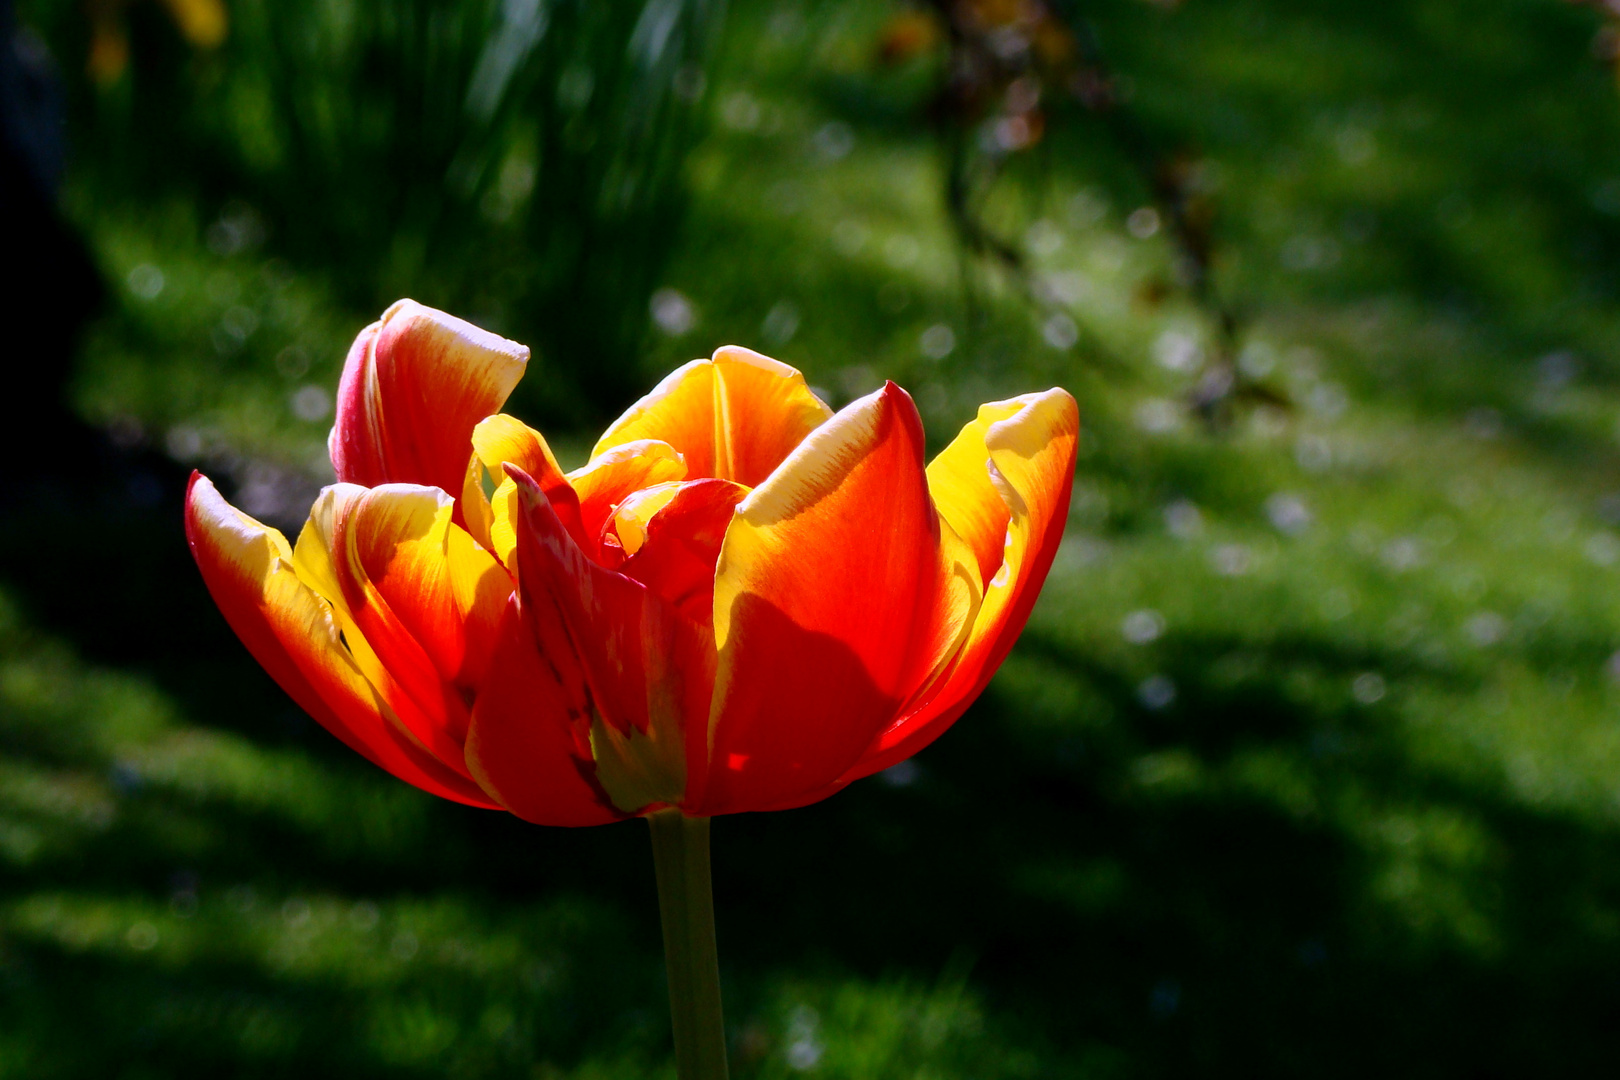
1309,762
517,160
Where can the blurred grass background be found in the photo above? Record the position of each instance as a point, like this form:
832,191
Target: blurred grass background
1309,762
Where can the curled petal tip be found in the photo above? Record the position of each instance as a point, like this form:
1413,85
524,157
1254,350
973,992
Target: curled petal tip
522,479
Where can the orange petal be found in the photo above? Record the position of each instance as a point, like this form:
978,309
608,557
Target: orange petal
735,417
644,673
529,743
1027,466
413,387
615,474
839,595
292,633
674,551
381,557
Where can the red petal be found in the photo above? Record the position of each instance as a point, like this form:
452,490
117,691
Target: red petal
677,558
644,673
413,387
528,743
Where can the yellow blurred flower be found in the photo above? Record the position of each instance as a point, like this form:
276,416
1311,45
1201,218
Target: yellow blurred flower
203,23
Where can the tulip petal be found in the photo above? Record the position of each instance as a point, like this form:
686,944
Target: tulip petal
414,653
447,592
644,673
500,440
679,544
839,595
529,744
962,489
735,417
414,385
291,632
1030,444
632,516
617,473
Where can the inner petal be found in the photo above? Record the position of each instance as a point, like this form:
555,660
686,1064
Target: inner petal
734,417
673,542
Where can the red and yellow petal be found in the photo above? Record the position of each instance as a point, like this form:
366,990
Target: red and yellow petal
960,484
412,654
1021,454
292,633
414,386
500,440
736,416
617,473
634,673
839,595
676,546
448,593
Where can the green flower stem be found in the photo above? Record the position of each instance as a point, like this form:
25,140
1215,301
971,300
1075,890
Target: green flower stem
686,903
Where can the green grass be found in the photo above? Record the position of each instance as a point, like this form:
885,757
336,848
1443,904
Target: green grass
1308,764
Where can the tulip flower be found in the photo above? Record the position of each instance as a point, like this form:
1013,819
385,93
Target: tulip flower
742,601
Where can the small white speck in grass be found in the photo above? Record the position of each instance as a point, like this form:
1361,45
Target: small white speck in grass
1043,238
1179,352
311,403
1143,626
1288,513
404,946
1486,628
146,281
672,312
937,342
1603,548
1231,560
295,912
1156,692
1183,519
363,916
1087,207
1313,453
1060,331
833,141
1368,688
1143,222
1158,415
781,323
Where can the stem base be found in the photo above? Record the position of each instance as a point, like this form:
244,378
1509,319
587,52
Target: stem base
686,907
